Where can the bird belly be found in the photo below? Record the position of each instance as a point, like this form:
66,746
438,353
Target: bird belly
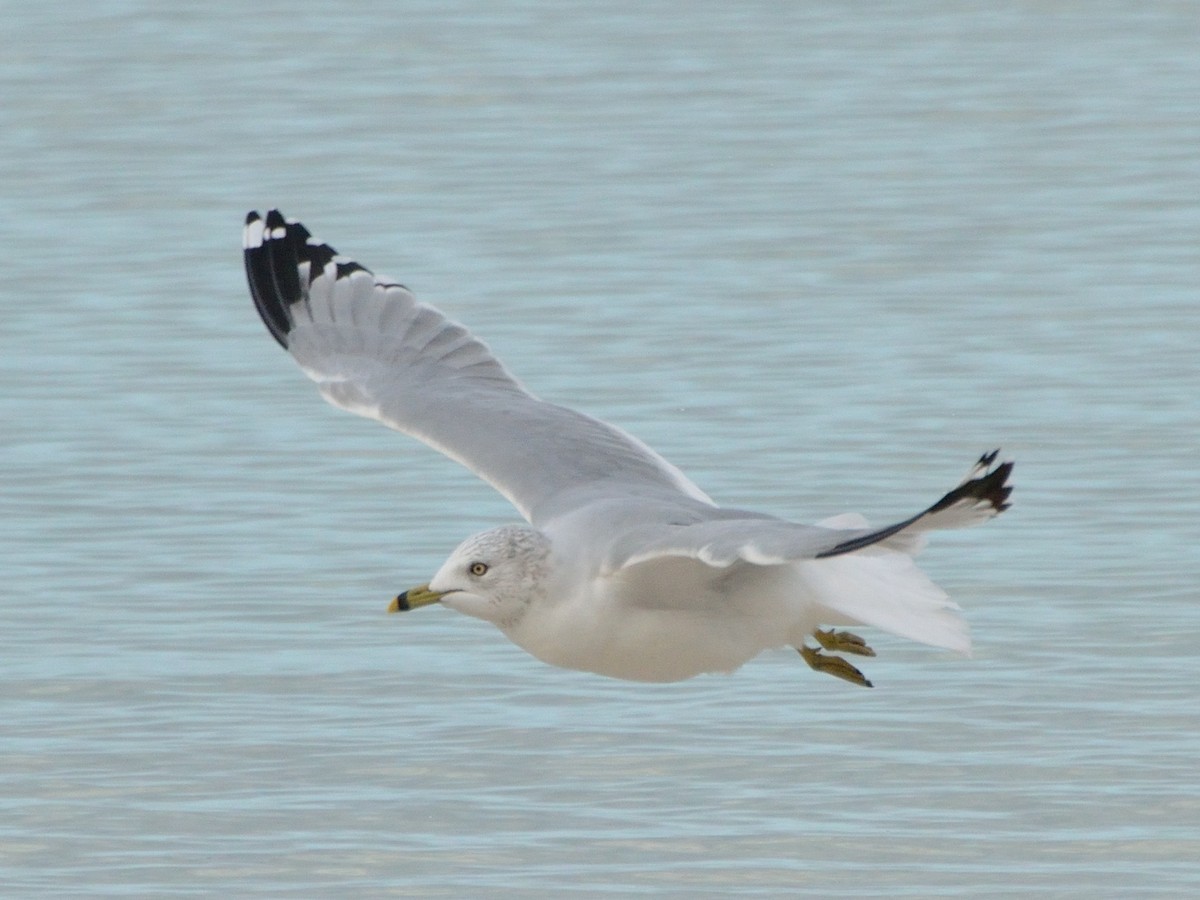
627,641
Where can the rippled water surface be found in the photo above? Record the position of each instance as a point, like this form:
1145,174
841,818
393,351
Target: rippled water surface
820,255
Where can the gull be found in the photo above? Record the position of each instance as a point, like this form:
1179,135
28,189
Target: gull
623,566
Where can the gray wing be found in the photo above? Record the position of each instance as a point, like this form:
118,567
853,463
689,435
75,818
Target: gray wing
374,350
721,538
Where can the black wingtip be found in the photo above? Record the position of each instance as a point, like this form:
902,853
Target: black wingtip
997,490
282,261
992,487
257,258
271,254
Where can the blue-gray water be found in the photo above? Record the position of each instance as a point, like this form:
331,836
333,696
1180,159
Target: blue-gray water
820,255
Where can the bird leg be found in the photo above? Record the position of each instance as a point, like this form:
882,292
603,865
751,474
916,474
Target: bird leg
835,665
842,642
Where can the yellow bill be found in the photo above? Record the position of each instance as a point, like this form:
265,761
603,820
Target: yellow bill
414,598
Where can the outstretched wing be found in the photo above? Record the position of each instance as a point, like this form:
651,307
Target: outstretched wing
374,350
724,538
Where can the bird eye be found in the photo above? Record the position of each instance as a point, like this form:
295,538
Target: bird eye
478,568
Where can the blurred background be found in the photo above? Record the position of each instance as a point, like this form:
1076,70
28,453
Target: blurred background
819,255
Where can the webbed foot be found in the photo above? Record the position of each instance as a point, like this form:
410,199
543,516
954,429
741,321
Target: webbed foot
842,642
833,665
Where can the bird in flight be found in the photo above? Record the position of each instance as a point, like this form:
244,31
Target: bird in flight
623,566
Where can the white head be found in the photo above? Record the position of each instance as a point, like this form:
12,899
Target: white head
494,575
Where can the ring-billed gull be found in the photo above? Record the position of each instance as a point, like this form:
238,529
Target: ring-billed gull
625,567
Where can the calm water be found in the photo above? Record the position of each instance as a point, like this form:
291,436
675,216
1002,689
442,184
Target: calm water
820,257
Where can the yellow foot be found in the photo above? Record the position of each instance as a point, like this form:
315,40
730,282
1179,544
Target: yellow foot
833,665
842,642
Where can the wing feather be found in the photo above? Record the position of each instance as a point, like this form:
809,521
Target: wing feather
729,537
374,350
